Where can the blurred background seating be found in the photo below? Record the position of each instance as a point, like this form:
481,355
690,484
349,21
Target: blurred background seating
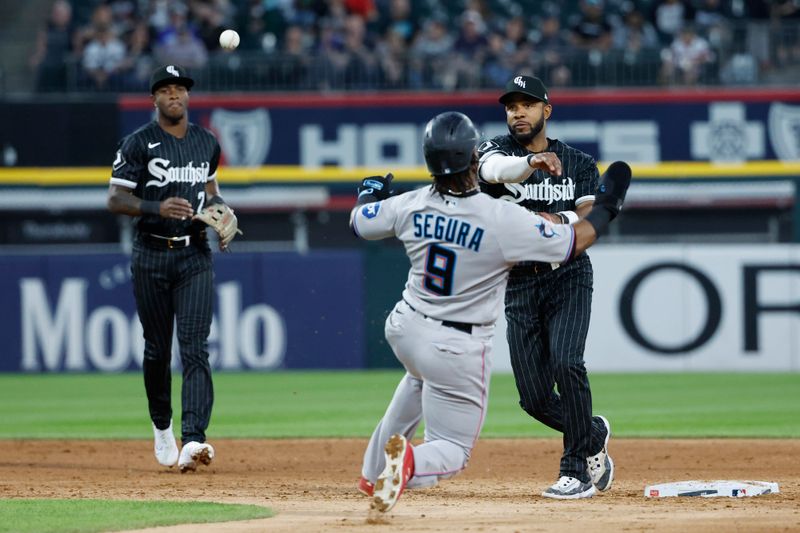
110,45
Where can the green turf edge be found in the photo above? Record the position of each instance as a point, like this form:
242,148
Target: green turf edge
294,404
89,515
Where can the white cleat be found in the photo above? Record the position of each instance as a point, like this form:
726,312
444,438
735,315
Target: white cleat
570,488
165,447
601,466
194,453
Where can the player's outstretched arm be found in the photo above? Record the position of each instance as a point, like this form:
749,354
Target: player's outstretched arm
608,202
501,168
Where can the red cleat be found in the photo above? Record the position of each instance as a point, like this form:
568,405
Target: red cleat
399,469
366,487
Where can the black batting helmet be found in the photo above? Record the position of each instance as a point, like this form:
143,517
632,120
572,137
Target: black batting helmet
450,140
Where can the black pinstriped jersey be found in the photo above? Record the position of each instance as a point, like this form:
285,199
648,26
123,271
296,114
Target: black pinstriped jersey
157,165
543,192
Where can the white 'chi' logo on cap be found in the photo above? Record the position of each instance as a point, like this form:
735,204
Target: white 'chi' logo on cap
172,70
519,81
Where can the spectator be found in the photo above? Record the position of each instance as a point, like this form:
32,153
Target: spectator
591,29
330,58
686,61
53,48
362,8
786,24
400,19
138,64
635,29
253,27
178,44
470,49
430,56
551,47
741,68
103,59
669,16
499,65
159,15
392,52
361,68
211,18
518,44
291,66
124,16
102,17
751,20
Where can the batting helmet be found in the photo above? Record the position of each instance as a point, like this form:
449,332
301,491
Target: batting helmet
450,140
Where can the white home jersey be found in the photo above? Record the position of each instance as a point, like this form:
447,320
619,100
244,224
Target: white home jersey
461,248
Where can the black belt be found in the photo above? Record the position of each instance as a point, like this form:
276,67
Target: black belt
460,326
535,267
169,243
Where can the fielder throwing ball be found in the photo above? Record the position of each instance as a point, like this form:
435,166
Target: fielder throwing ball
461,244
548,305
165,175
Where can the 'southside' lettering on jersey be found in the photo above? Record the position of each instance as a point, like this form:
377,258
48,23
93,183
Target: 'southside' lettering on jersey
160,169
545,191
448,229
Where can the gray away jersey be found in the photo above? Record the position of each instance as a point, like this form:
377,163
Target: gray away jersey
461,248
541,191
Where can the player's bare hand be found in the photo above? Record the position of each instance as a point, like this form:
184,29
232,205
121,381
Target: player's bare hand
555,219
547,161
176,207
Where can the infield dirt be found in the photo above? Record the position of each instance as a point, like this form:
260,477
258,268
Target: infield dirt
310,484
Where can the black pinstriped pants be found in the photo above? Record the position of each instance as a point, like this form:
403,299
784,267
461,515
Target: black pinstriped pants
176,287
548,319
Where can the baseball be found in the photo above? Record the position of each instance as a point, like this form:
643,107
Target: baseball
229,39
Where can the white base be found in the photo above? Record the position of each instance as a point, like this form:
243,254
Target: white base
711,489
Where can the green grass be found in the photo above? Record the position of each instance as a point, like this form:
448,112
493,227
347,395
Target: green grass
66,516
349,404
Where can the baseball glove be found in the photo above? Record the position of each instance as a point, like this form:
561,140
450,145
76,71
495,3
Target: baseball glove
220,217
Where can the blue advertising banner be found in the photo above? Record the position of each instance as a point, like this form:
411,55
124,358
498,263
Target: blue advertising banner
386,130
71,313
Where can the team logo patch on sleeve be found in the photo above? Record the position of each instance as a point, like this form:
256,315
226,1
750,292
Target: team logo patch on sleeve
488,146
545,231
371,210
119,162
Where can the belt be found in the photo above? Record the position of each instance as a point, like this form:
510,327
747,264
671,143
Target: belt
168,243
460,326
535,267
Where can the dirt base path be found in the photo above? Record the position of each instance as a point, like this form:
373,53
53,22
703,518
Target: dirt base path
310,484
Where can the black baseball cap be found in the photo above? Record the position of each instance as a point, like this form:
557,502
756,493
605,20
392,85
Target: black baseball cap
525,85
170,74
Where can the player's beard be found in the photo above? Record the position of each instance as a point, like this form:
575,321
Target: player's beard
526,138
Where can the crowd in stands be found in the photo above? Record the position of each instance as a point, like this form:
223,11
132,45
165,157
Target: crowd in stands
112,45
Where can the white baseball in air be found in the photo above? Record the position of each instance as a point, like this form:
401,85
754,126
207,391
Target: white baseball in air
229,39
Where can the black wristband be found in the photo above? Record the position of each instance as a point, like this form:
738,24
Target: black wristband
599,217
215,200
528,159
150,207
